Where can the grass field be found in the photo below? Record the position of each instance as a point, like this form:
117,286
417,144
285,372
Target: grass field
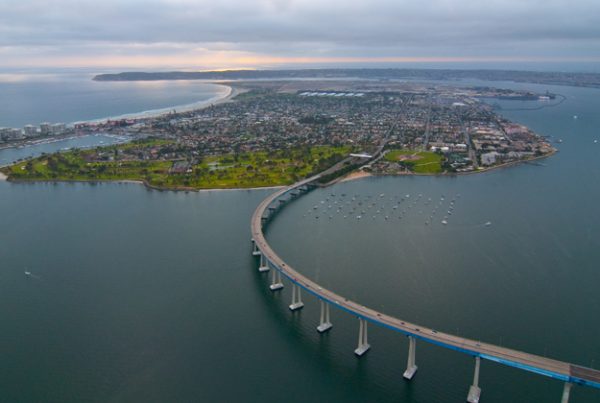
422,162
256,169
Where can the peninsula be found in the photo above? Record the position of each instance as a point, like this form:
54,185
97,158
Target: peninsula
538,77
277,132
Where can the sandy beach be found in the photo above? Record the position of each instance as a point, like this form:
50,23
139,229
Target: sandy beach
355,175
230,93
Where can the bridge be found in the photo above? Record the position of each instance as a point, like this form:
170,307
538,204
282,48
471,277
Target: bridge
568,373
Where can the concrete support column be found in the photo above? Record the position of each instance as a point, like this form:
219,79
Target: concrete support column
263,264
411,367
296,298
363,342
276,283
255,250
566,392
325,323
474,390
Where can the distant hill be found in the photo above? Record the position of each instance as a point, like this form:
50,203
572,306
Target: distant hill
549,78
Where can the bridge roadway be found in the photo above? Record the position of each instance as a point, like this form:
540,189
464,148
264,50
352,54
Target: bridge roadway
569,373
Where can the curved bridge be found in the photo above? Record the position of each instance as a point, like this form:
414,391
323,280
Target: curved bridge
269,260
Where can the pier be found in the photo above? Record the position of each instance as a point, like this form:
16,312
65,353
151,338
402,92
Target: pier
568,373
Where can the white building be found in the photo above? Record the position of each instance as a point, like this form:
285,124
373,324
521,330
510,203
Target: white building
30,131
45,129
489,158
57,129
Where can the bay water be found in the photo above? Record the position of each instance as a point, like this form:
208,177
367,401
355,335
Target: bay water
142,295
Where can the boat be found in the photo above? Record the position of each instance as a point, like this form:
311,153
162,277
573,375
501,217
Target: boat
27,273
487,224
444,222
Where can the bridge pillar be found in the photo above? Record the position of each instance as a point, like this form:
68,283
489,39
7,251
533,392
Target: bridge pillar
296,298
263,264
566,392
255,250
325,324
411,367
276,283
475,390
363,343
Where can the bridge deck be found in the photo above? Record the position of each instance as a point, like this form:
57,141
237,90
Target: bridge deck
545,366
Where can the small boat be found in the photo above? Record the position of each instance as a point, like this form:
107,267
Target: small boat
27,273
487,224
444,222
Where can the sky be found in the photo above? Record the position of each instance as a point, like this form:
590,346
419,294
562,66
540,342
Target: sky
225,34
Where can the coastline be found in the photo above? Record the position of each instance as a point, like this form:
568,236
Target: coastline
479,171
4,177
231,92
509,164
54,139
355,175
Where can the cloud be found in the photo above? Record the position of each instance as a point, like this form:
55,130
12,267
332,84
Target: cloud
199,29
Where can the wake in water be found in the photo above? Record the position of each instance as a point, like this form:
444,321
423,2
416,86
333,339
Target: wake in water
32,276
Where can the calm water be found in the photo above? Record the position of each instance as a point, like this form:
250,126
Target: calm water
33,99
11,155
140,295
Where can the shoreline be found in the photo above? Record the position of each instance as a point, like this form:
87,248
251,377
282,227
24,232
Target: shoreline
480,171
355,175
55,139
509,164
4,177
231,92
352,176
